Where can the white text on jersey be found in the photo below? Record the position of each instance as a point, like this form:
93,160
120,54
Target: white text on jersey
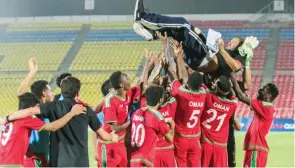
220,106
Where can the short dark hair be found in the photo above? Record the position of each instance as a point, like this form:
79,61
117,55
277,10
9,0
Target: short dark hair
195,80
27,100
61,77
273,90
224,84
105,87
115,79
153,94
70,87
38,87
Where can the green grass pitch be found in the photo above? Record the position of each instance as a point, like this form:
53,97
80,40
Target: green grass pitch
281,149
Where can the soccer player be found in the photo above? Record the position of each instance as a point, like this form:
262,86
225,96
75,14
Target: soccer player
115,112
198,55
190,97
164,156
14,136
147,125
255,144
69,146
215,123
106,87
39,141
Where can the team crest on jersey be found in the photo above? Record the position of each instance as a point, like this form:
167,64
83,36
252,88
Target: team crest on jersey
197,30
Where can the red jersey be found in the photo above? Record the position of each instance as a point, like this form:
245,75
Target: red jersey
14,139
215,119
146,126
133,95
168,112
115,110
255,138
190,106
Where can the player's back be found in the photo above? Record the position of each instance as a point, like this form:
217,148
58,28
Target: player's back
215,119
145,128
190,106
115,110
14,142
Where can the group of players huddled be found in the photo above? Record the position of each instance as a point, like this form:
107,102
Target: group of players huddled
178,114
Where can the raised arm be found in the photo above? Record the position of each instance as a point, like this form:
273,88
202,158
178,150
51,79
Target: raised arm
242,97
232,63
247,78
181,69
157,58
147,67
25,83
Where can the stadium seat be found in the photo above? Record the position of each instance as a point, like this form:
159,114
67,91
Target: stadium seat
8,88
285,59
285,101
112,56
49,55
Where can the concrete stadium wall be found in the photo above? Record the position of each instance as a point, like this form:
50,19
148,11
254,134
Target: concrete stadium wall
27,8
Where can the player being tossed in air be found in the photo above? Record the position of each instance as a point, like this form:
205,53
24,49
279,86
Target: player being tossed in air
215,124
146,125
198,55
14,135
255,144
115,110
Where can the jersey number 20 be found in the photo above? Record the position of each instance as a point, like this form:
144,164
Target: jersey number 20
138,135
5,133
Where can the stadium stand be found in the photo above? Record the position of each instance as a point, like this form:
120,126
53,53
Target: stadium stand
49,55
8,89
109,56
285,101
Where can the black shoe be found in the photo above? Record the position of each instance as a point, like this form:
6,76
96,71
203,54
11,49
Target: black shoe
138,10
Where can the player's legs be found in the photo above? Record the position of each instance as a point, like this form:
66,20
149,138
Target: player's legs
261,158
219,156
164,158
111,155
207,154
250,158
122,155
32,162
231,154
194,153
181,146
255,158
